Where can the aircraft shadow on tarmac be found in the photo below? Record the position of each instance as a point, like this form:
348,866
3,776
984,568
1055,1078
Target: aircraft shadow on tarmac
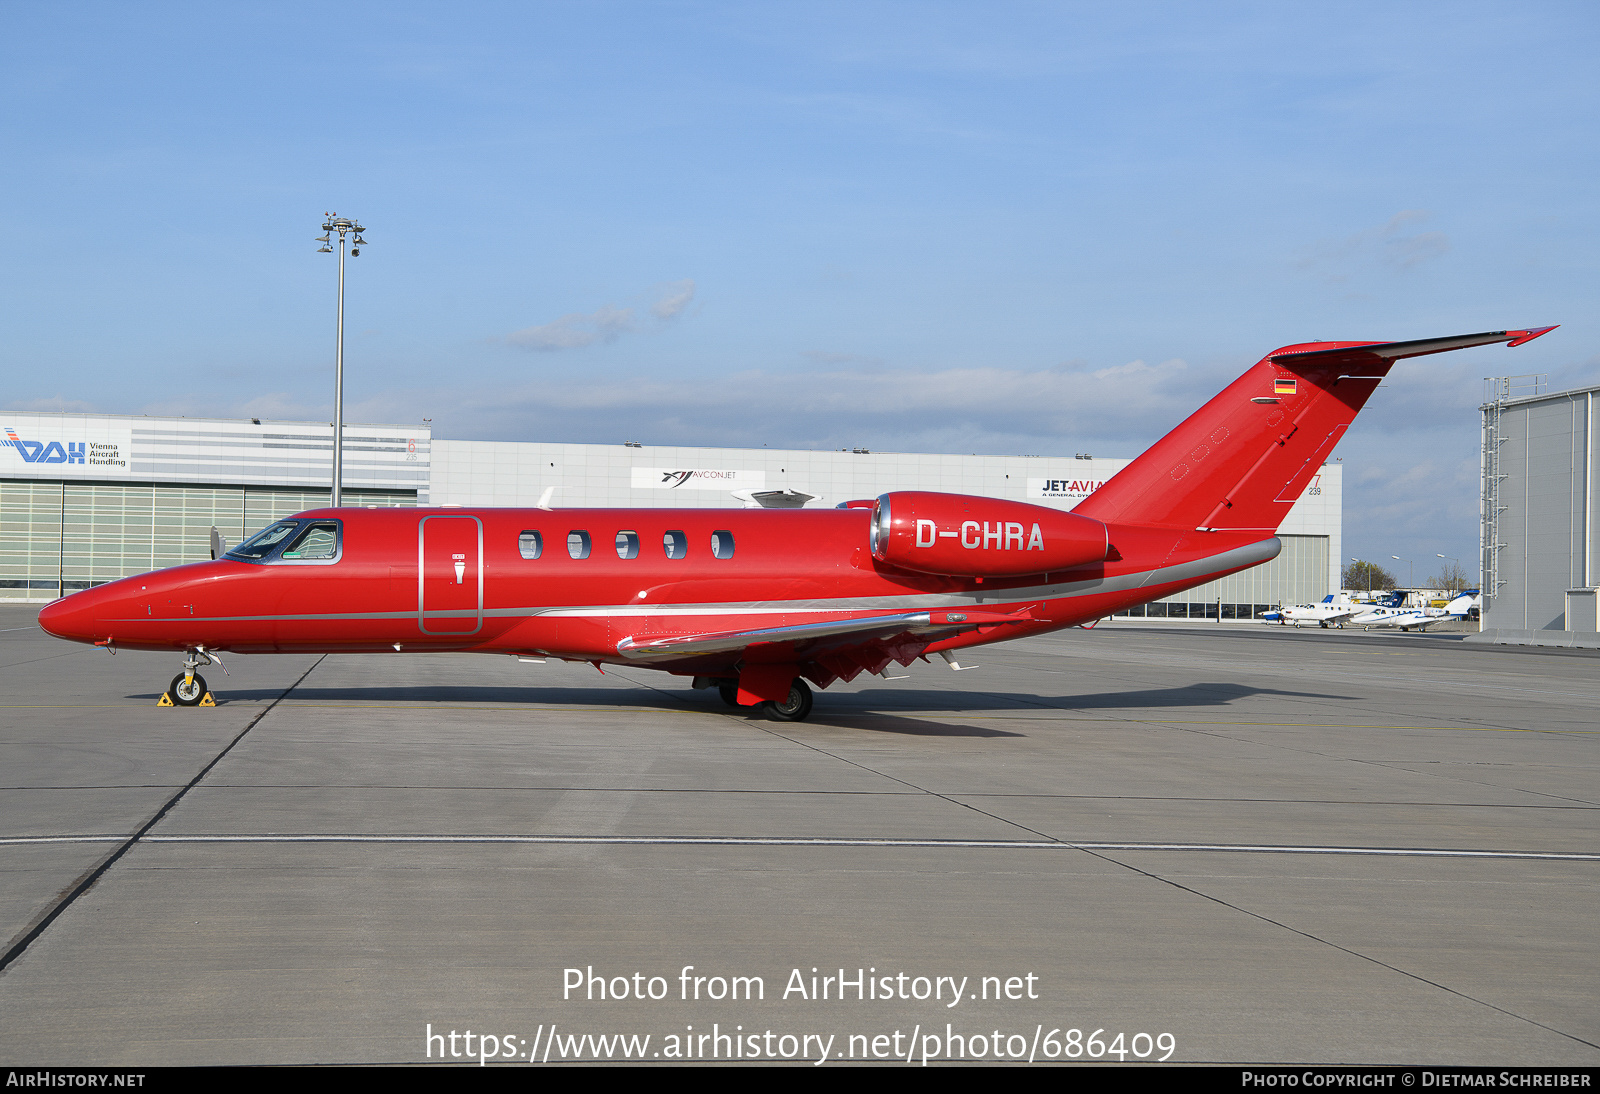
1193,695
879,710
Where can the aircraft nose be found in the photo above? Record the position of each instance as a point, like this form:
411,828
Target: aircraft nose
72,617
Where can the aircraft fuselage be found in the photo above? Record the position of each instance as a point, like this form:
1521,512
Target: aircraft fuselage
457,580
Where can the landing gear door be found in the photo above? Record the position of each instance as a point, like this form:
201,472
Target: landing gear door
450,575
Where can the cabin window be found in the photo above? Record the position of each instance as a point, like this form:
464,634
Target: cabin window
262,544
627,544
675,544
530,544
722,544
317,541
578,544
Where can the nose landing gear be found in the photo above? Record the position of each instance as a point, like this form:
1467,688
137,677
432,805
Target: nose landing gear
188,688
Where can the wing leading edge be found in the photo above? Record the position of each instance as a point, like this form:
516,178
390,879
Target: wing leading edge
928,627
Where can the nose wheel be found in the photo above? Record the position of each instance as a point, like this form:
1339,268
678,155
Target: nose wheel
187,690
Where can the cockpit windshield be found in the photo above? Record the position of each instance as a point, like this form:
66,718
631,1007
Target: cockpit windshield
264,542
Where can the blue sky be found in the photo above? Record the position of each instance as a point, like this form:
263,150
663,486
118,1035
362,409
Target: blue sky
1015,228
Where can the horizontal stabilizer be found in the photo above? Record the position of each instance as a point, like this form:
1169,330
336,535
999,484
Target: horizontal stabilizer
1417,347
1240,462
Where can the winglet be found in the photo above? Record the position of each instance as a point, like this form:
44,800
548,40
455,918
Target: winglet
1528,335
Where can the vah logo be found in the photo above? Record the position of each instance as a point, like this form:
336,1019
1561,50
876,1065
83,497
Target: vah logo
45,451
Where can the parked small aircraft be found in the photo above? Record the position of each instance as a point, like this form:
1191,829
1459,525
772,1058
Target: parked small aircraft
1404,618
756,602
1465,606
1333,609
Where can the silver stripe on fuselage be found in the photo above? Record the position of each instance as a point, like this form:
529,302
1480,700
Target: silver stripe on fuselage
1196,572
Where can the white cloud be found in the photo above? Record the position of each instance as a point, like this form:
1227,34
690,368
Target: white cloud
675,297
574,330
56,404
822,358
1065,409
1394,244
606,324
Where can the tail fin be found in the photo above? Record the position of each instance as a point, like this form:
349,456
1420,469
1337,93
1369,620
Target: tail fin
1241,461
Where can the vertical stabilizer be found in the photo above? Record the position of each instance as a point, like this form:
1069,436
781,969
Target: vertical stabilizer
1240,462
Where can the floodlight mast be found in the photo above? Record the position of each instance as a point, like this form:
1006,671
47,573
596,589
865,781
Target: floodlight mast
336,223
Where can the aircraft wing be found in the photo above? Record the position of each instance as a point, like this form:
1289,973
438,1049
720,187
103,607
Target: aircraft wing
811,639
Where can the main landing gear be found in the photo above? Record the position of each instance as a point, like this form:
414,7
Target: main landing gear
188,688
793,709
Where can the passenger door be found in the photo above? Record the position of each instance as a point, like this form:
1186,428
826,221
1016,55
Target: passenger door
450,568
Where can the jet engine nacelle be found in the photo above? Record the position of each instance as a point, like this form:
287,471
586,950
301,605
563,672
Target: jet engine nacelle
960,536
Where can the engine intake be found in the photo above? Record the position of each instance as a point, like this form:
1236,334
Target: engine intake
958,535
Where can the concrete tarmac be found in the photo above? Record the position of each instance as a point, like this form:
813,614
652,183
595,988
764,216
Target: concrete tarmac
1212,844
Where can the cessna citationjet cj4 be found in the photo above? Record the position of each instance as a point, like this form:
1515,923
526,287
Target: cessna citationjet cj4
758,601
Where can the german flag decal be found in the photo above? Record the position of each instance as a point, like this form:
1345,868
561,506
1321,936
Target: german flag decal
1284,386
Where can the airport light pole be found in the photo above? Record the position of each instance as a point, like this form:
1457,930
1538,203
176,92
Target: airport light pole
1447,558
336,223
1411,580
1369,575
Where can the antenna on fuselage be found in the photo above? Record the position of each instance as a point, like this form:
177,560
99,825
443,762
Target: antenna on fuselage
544,498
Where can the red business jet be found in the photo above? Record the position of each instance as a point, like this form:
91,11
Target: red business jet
757,602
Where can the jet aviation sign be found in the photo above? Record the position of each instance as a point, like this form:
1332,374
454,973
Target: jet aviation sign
1072,488
681,478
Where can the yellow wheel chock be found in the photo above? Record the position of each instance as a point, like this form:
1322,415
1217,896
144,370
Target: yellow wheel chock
166,700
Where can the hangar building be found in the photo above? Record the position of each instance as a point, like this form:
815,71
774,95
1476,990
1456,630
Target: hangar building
88,498
1538,510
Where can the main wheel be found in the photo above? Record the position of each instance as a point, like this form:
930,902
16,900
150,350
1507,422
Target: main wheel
187,693
793,709
729,693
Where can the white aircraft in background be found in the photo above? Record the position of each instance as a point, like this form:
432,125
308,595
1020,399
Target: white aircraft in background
1465,606
1335,609
1396,615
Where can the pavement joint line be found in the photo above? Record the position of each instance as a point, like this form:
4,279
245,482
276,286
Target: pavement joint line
1453,775
36,660
1368,679
1342,949
914,786
824,841
1210,656
885,775
1026,795
86,880
1395,766
1158,723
